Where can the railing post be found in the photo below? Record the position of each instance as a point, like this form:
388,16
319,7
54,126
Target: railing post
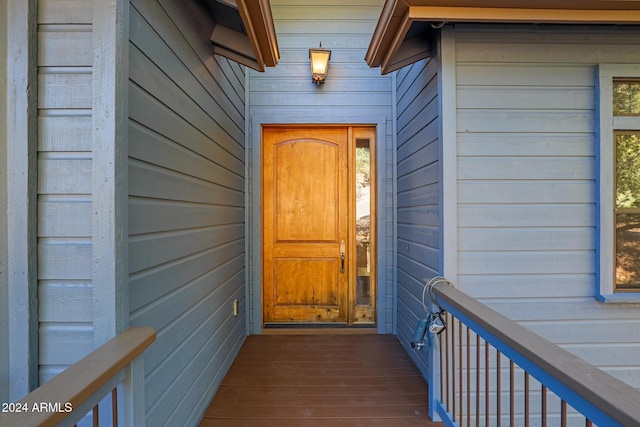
131,401
435,374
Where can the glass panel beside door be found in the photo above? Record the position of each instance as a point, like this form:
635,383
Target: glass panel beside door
364,179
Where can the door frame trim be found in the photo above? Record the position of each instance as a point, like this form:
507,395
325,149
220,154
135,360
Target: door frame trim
385,318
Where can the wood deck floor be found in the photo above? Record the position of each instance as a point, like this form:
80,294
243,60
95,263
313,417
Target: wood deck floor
321,380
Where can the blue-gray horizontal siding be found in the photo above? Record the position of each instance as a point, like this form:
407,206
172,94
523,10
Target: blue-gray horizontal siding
526,179
352,89
186,209
419,194
65,57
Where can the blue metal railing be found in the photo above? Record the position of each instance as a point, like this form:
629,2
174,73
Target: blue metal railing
489,365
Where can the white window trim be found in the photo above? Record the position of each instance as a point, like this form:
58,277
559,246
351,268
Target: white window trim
605,179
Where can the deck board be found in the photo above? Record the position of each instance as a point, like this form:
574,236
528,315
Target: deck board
319,380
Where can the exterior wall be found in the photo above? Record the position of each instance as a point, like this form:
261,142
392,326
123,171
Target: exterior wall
186,209
352,94
526,184
4,282
419,194
64,190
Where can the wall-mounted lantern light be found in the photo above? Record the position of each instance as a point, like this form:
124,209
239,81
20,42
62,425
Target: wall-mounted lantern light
319,59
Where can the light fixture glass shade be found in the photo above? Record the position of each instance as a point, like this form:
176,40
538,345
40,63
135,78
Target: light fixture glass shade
319,64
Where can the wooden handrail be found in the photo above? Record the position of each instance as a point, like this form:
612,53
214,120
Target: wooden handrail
591,390
80,381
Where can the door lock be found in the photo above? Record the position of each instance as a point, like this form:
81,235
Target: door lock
342,250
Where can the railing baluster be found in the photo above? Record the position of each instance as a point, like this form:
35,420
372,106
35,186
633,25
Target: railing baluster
563,413
512,386
114,407
445,361
114,411
544,406
443,354
477,380
487,399
468,377
453,367
451,376
526,399
460,367
498,390
452,373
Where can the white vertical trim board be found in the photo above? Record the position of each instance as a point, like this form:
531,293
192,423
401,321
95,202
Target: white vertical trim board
449,154
21,197
447,87
4,282
255,223
110,132
394,198
110,267
255,181
248,212
605,179
386,294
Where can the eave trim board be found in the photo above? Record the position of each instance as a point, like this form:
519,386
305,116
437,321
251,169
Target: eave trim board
389,45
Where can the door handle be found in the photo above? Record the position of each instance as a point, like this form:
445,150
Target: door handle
342,250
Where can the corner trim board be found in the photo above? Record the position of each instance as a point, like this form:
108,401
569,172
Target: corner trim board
22,263
110,115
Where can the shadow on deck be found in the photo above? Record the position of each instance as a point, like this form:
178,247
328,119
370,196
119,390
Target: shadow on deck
321,380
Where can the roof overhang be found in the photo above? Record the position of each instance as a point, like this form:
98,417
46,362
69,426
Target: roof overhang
406,30
244,32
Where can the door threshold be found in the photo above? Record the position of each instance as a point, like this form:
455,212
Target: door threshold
317,329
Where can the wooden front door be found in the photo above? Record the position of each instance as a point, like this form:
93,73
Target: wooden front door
305,224
319,216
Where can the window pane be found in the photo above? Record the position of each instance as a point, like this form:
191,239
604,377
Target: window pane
363,222
628,251
626,98
627,170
